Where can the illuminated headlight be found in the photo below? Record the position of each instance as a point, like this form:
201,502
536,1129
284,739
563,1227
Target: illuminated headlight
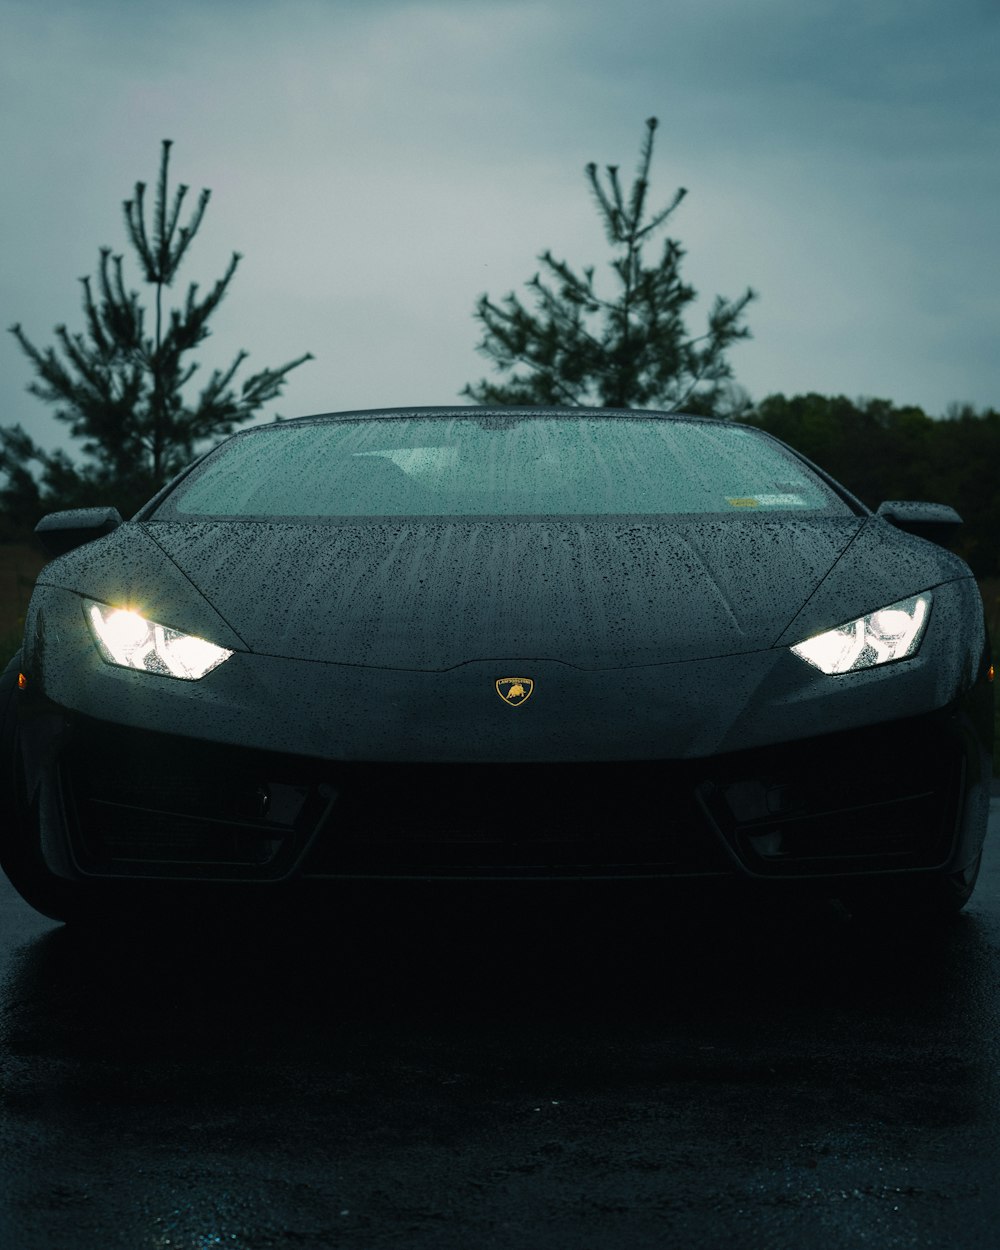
892,633
125,638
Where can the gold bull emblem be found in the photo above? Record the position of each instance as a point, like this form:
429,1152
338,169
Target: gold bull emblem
514,690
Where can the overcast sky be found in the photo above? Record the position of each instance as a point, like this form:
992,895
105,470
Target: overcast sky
381,163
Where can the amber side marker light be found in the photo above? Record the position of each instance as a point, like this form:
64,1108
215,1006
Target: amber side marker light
22,682
989,673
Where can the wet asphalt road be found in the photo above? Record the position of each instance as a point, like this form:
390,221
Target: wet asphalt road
504,1070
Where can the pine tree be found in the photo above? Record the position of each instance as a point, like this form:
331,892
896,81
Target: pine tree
631,350
121,388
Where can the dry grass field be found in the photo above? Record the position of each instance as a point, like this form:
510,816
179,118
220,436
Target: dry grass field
20,564
990,587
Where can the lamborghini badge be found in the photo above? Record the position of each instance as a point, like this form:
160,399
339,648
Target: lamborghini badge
514,690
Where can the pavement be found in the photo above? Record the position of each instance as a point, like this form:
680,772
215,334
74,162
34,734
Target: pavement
511,1073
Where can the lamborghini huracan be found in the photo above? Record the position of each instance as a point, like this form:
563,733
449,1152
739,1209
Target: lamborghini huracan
472,643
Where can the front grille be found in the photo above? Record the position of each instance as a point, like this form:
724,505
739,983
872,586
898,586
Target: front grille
878,799
607,819
142,804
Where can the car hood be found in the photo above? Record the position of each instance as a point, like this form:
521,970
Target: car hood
431,595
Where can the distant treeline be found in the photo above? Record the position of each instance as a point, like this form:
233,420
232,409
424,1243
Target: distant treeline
881,451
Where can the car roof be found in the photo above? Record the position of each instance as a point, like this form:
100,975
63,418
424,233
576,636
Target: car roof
481,410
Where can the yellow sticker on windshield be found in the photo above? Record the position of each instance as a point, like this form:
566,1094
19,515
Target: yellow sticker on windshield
748,502
781,501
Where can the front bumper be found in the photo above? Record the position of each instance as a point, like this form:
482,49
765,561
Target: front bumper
902,797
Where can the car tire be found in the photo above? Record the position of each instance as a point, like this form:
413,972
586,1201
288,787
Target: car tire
928,899
20,857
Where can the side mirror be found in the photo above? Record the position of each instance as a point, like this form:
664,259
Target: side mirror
59,532
934,521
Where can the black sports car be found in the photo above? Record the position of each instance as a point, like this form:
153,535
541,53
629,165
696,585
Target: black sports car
517,643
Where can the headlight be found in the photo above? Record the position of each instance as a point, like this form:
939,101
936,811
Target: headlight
891,633
124,637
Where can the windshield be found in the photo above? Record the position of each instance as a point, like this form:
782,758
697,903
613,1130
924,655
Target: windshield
470,465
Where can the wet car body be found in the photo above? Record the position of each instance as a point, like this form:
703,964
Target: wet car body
414,693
